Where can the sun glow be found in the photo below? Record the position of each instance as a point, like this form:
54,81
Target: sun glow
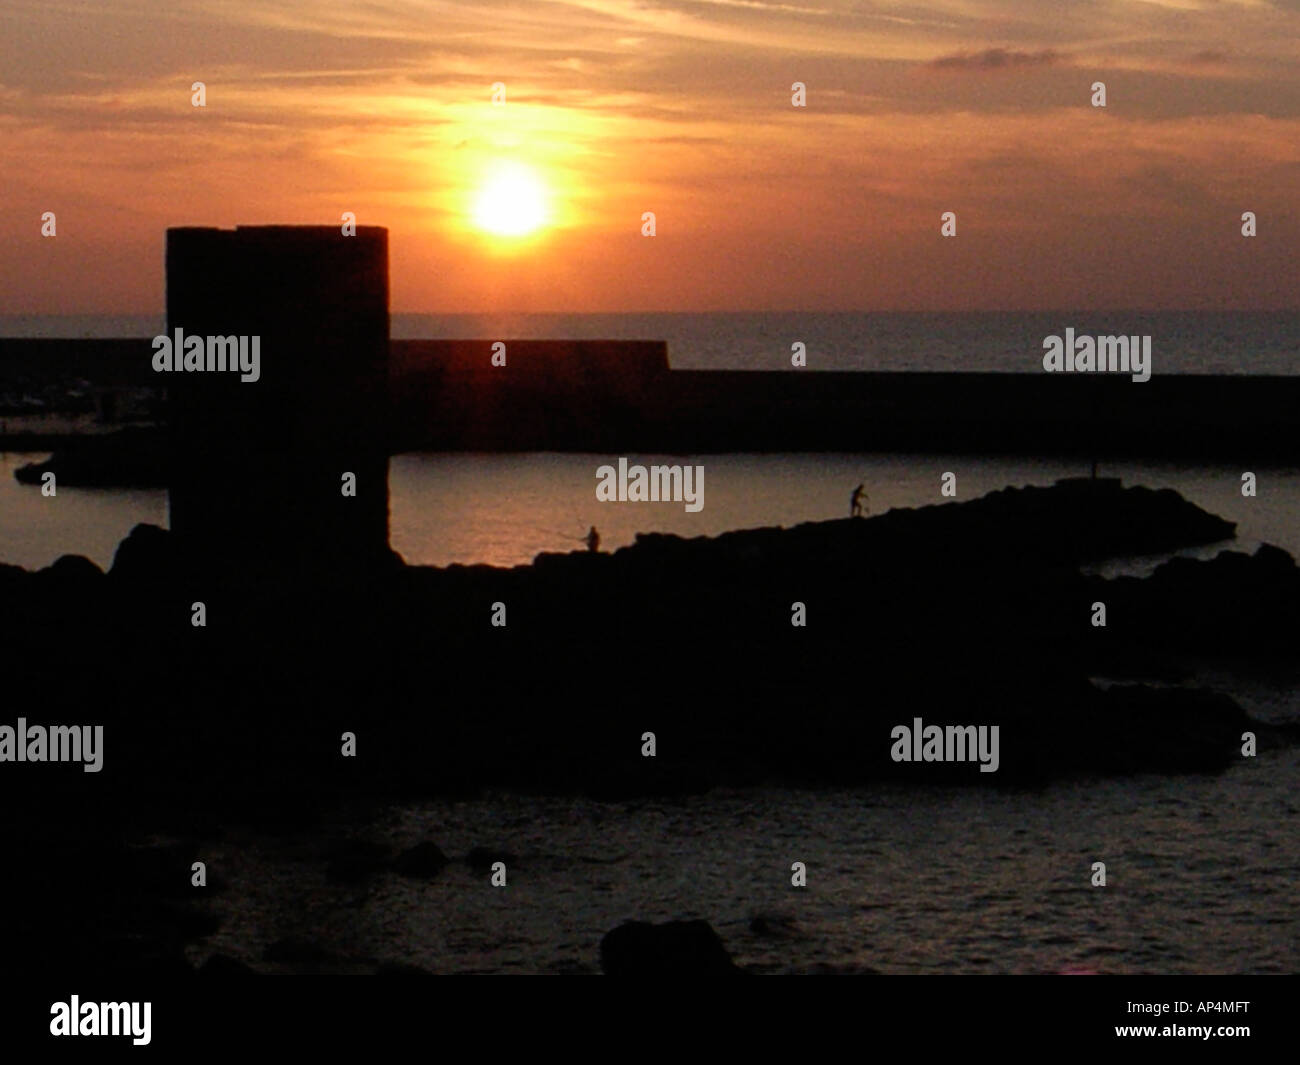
512,203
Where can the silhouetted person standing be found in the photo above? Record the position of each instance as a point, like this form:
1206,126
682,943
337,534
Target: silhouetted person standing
592,539
855,501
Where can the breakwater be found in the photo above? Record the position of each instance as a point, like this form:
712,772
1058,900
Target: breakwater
603,395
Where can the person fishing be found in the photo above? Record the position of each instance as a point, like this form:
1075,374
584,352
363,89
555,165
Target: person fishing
855,501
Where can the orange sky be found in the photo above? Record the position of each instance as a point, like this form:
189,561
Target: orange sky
681,107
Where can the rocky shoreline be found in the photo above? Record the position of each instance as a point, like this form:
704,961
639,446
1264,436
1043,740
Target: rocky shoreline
933,613
934,608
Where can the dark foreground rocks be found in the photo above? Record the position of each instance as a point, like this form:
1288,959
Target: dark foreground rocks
761,655
1233,606
423,860
675,948
224,965
960,614
766,655
482,858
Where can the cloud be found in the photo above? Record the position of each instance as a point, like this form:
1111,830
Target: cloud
994,60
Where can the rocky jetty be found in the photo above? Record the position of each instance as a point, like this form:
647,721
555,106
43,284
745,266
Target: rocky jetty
973,613
1229,607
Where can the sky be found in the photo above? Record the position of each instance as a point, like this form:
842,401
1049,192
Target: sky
682,108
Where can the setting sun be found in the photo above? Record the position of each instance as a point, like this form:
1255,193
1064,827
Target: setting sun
511,203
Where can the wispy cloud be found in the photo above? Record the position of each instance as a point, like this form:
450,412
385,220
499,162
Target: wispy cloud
677,106
995,60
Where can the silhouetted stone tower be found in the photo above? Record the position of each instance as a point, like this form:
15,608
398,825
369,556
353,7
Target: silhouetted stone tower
258,466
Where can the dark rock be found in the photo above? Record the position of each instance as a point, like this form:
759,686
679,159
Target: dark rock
1233,605
352,860
224,965
400,968
778,925
676,948
183,921
147,554
485,857
827,969
135,458
295,950
351,870
71,569
12,576
155,953
424,859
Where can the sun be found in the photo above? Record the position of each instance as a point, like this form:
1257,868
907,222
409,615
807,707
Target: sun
512,203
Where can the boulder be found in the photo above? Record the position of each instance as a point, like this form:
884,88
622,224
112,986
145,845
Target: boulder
484,857
352,860
778,925
71,569
148,553
676,948
424,859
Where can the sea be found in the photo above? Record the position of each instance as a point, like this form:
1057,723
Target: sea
1201,869
1205,342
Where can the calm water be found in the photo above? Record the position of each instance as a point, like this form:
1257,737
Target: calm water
35,530
505,509
1201,878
